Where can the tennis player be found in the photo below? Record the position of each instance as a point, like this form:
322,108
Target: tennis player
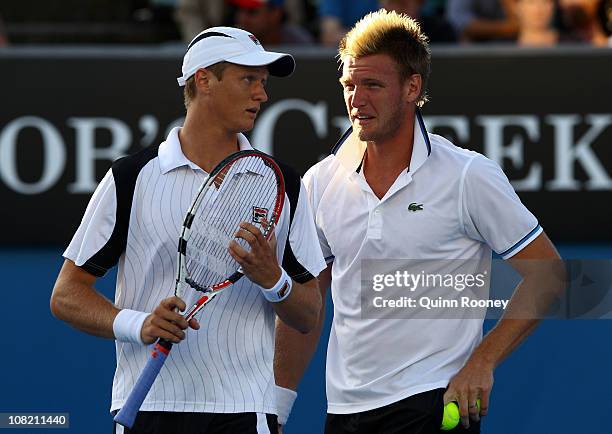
391,190
220,379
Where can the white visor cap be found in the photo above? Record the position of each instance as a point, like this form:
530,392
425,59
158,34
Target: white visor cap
232,45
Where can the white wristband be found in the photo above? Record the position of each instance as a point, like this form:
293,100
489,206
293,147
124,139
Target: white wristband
128,324
284,403
281,290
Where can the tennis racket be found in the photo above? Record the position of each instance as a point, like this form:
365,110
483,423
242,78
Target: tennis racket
246,186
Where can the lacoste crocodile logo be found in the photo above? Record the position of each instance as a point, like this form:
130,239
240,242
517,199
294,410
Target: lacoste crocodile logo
415,207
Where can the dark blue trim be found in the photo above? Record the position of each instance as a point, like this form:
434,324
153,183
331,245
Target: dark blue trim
342,139
360,164
419,117
521,241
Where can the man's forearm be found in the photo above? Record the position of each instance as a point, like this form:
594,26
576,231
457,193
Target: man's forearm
293,353
504,338
294,350
75,301
543,282
519,320
300,310
89,312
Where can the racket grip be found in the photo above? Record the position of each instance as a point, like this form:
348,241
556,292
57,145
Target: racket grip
127,414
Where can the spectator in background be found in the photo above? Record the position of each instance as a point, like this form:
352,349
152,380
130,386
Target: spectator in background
535,23
483,20
435,27
581,22
267,20
606,19
336,16
192,16
3,38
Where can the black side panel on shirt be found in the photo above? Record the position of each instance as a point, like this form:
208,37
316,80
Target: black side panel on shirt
125,172
292,187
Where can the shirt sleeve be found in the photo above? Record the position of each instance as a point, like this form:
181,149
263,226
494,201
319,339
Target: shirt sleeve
310,182
96,228
492,211
303,259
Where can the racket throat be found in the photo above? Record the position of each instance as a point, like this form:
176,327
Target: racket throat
195,285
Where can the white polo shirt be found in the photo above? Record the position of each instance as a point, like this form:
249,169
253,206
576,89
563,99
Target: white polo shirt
468,209
133,220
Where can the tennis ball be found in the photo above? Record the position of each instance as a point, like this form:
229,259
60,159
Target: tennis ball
451,417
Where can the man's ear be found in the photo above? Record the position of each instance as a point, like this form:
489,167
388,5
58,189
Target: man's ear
203,78
412,88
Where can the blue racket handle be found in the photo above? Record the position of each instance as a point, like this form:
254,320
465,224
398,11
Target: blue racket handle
127,414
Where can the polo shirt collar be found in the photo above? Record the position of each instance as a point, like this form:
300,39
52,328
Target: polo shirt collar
171,155
350,150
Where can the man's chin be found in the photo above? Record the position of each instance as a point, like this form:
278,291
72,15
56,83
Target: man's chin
248,126
365,136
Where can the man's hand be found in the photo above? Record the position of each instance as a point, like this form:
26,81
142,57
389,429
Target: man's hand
280,429
165,322
471,383
259,264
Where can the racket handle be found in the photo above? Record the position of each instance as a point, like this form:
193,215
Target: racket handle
127,414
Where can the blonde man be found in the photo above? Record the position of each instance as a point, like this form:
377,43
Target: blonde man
390,190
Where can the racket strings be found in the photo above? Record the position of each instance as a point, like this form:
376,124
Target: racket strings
245,191
226,222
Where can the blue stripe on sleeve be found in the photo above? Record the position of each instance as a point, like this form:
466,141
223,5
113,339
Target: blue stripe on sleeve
520,243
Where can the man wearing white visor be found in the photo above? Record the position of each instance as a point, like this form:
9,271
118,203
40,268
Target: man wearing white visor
227,44
220,379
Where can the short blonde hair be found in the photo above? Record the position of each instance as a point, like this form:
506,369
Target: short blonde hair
397,35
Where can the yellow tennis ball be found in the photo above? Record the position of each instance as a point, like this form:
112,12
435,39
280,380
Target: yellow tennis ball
451,417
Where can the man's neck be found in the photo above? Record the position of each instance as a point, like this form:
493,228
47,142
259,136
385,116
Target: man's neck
385,161
395,152
206,143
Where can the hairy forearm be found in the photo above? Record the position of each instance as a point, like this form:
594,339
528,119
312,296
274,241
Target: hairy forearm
293,352
530,303
301,309
76,302
504,338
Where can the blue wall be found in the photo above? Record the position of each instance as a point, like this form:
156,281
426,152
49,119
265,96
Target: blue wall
558,381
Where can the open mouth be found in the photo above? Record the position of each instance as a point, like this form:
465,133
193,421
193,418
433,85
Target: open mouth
362,118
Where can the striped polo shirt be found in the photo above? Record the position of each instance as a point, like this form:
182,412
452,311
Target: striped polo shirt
133,220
